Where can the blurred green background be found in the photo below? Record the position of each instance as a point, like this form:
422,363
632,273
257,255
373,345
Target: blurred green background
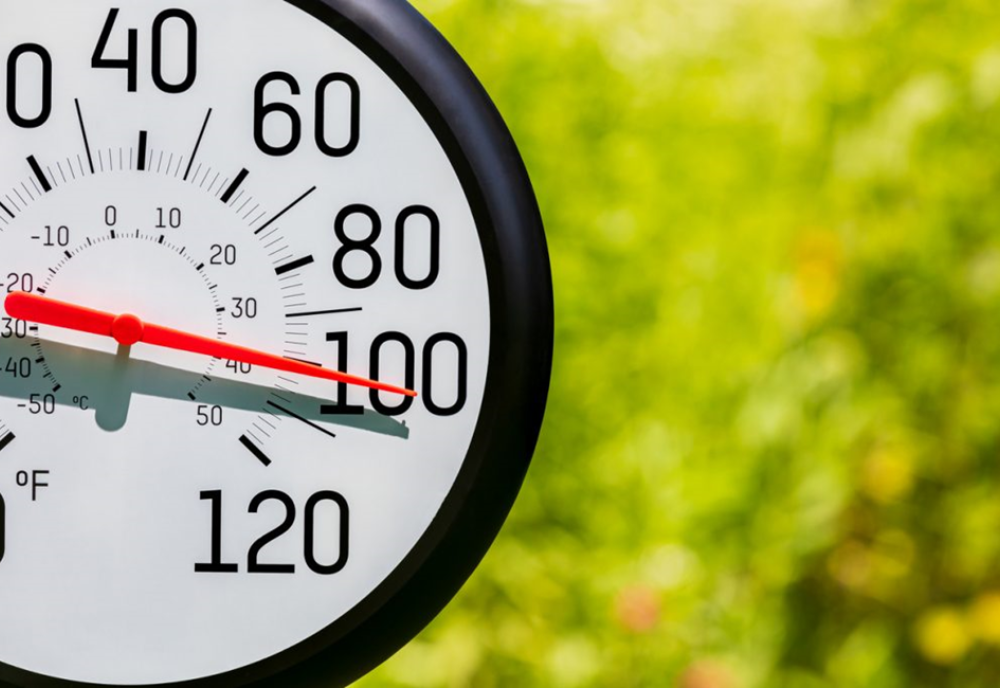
771,452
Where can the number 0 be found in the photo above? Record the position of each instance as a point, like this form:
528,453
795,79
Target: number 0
12,77
192,51
310,534
354,122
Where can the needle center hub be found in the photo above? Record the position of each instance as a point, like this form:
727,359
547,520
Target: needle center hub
127,329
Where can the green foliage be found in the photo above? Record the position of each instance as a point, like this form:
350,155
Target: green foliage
770,458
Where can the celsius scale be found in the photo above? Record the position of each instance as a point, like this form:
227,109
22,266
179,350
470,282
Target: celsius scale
275,338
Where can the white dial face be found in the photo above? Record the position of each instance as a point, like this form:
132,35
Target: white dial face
243,173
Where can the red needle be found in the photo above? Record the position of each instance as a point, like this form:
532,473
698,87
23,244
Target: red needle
128,330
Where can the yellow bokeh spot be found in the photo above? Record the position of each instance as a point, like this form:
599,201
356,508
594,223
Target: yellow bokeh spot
887,474
942,636
851,565
818,272
985,618
893,554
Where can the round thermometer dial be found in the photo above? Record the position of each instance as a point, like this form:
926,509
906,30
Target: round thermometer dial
274,341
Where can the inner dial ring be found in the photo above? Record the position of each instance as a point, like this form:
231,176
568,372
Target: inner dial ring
80,267
193,263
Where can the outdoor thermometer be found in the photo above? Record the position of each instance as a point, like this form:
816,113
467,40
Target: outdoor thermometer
275,337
